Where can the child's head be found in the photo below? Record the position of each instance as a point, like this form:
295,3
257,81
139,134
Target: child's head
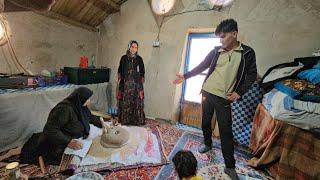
185,164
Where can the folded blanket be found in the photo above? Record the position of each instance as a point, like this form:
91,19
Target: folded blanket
307,106
281,107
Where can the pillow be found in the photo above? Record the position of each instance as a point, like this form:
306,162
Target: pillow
317,66
311,75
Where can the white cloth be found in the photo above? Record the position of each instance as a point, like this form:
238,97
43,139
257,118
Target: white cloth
24,113
142,154
86,143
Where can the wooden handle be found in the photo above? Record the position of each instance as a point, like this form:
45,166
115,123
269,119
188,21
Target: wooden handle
42,166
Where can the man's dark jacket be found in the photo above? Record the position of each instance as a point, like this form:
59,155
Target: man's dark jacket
247,72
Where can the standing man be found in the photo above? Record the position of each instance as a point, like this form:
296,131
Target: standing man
232,70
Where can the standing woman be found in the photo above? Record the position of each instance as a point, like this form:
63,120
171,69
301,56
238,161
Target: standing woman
131,94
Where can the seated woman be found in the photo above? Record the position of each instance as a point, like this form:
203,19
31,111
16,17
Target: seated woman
67,121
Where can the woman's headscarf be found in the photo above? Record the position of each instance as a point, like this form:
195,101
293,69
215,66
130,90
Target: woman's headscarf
129,46
77,98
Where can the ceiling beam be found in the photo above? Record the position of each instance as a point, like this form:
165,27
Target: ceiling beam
10,7
121,2
69,21
112,4
27,5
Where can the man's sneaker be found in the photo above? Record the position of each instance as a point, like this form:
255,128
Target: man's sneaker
204,149
231,172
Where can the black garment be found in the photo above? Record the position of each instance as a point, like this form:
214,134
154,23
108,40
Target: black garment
66,121
211,103
126,63
131,94
77,99
247,72
30,152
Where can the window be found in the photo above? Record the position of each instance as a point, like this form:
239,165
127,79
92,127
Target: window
199,45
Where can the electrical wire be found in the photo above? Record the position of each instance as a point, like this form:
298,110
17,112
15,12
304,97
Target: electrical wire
180,13
3,26
190,11
11,49
159,28
7,61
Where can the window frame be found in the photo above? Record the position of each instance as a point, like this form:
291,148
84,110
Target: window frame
193,35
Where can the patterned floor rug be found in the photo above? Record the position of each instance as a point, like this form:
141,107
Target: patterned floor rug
169,134
210,164
174,139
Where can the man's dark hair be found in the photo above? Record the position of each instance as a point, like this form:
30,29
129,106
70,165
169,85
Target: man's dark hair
227,25
185,164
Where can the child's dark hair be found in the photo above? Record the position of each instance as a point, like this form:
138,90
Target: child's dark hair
225,26
185,164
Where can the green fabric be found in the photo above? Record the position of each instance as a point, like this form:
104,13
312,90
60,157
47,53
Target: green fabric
223,78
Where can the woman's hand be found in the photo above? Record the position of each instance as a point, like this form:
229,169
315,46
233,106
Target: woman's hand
179,79
102,122
118,78
74,144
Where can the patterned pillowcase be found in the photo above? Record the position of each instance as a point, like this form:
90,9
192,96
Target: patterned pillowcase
299,89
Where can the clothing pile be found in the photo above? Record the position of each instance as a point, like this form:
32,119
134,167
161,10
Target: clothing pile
294,92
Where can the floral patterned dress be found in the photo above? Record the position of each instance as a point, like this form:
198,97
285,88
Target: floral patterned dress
130,93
